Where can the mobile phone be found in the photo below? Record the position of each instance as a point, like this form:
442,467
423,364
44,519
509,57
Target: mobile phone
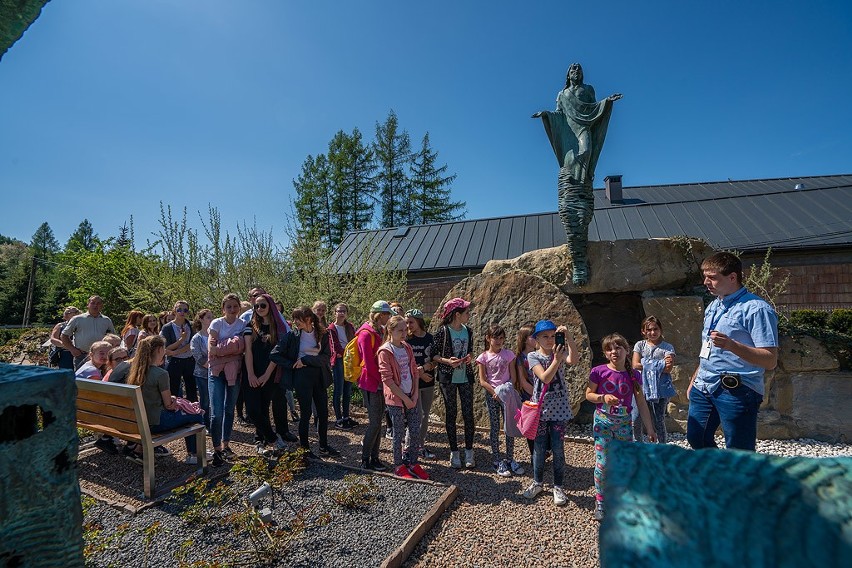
560,338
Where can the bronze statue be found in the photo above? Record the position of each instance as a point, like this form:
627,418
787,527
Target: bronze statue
576,130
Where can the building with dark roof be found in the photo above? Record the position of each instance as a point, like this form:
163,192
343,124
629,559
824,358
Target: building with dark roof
806,221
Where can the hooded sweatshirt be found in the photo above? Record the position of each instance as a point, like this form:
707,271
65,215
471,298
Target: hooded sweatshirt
369,342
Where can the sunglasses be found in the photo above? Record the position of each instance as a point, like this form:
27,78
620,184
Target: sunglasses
182,310
340,311
261,306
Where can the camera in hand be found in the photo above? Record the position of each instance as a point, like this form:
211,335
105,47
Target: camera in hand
560,338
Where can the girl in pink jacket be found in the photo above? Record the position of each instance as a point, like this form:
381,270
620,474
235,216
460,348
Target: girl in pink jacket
400,377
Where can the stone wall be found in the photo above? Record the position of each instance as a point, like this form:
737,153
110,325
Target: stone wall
806,395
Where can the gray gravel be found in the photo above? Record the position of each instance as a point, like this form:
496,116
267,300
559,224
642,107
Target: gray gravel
804,447
354,537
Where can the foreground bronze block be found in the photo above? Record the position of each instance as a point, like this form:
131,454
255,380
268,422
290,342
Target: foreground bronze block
40,514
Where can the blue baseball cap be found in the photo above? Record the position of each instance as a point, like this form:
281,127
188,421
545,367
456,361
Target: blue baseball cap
543,325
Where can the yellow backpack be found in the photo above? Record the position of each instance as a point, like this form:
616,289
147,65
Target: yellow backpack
352,362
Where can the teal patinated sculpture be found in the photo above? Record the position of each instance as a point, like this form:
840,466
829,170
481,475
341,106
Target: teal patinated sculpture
666,506
577,129
40,515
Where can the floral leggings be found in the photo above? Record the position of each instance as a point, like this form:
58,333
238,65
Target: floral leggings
400,416
608,427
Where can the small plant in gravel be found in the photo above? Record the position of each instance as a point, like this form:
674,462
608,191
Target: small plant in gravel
148,534
201,500
252,542
358,491
276,472
96,541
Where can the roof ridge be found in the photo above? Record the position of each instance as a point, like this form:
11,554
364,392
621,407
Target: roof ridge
732,181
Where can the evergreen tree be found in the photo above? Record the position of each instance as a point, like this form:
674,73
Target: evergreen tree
313,199
43,243
392,148
15,262
125,236
83,238
43,247
431,189
353,185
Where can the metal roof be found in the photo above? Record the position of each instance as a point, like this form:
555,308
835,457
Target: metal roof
741,215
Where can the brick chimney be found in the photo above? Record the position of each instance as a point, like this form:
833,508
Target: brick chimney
613,189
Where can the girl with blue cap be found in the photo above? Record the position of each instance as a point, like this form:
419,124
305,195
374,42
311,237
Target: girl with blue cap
550,391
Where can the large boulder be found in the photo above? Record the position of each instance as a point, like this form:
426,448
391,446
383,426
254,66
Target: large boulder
512,299
802,353
617,266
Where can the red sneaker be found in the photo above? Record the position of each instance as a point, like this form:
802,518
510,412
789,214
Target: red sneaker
402,471
418,471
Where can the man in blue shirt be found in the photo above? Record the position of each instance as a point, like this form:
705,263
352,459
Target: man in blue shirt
739,343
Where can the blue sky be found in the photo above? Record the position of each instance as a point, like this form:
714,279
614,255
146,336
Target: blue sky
109,107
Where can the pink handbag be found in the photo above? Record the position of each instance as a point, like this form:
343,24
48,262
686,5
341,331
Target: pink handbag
528,415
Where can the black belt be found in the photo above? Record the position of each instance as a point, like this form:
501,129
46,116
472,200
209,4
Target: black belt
730,380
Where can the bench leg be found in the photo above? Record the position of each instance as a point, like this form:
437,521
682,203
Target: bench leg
201,450
148,471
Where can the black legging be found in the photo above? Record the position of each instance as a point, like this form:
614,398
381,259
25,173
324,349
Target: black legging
258,400
182,369
309,390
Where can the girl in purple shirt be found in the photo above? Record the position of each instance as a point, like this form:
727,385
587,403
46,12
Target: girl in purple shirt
612,388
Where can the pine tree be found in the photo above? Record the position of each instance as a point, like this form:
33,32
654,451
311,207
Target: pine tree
313,199
392,148
125,236
431,193
44,244
353,181
43,247
83,238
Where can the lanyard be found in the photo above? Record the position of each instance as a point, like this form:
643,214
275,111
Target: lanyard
716,312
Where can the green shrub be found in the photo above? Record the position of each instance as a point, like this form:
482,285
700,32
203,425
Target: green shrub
808,318
840,321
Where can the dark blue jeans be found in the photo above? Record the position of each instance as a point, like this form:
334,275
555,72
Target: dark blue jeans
170,419
549,437
342,390
735,409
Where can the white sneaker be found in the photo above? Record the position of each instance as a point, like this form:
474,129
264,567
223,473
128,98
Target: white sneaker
559,497
503,469
280,444
192,459
455,460
262,450
516,468
533,490
468,459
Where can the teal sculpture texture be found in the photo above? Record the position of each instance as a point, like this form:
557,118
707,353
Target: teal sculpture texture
577,129
667,506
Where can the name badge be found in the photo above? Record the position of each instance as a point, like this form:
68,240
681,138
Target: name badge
705,349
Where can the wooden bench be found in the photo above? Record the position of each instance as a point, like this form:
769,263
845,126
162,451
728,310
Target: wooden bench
118,410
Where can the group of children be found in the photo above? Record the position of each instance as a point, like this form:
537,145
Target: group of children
535,372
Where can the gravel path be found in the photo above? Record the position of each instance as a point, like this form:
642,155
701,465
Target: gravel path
491,523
